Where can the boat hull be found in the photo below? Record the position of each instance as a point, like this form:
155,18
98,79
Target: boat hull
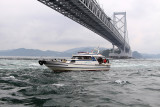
61,66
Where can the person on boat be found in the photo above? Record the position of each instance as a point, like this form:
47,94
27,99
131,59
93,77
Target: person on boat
107,60
104,61
100,60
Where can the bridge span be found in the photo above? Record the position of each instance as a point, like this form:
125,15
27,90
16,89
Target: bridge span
89,14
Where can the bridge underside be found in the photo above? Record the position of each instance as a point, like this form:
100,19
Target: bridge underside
80,13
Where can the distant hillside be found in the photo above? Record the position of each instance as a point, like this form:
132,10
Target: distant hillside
82,49
32,52
106,52
151,55
136,54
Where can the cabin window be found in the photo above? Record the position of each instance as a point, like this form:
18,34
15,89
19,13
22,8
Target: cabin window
73,61
73,57
82,57
87,57
79,57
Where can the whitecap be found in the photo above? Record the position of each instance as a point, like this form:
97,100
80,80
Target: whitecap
12,77
121,81
34,64
9,78
59,85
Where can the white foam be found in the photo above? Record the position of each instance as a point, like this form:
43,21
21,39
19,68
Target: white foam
9,78
34,64
120,82
59,85
12,77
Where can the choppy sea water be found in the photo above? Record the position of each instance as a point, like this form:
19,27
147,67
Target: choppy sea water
129,83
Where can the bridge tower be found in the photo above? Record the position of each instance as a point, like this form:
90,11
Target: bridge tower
120,23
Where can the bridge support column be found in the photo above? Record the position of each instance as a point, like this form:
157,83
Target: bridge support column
122,55
113,49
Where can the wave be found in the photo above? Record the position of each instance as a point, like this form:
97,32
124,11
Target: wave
153,89
123,82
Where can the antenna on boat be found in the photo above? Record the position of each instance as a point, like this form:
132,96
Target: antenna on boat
98,50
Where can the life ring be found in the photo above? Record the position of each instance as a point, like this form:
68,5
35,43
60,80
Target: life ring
41,62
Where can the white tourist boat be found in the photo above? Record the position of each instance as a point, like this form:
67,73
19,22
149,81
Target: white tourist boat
83,61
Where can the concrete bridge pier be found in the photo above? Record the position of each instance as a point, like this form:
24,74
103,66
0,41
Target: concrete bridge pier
123,54
113,49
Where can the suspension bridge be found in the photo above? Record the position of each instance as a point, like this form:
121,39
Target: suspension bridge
89,14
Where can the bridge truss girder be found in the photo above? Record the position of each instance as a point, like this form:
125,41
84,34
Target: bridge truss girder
89,14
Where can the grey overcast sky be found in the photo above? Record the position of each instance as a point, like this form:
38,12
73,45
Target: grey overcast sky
30,24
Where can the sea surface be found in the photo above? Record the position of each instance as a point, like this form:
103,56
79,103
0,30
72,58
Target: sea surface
129,83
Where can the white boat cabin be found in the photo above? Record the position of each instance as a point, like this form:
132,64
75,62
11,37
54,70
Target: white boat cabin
88,58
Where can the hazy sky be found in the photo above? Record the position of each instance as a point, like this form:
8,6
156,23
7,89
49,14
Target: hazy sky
30,24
